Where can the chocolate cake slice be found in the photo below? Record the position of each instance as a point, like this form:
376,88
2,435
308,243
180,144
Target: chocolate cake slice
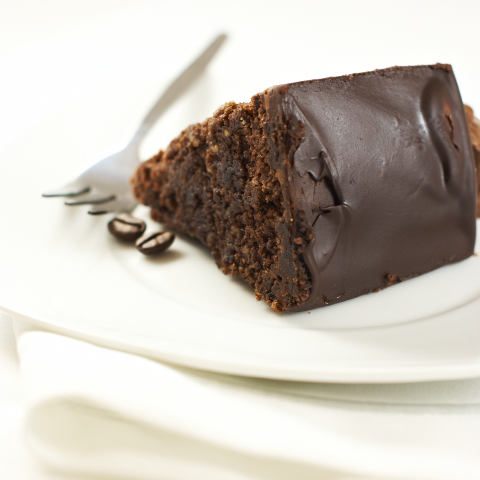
320,191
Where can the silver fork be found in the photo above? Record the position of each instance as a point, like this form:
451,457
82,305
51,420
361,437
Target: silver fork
105,184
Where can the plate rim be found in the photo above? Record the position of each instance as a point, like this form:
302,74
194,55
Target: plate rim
409,374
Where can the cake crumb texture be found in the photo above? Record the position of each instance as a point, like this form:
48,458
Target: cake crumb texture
474,130
215,183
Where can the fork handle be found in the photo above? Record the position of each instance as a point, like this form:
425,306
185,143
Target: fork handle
177,88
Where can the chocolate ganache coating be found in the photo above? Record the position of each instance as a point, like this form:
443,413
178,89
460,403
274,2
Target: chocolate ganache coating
384,176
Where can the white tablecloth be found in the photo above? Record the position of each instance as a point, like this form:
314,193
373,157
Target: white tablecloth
90,410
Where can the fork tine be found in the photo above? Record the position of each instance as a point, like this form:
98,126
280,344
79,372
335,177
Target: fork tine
90,199
67,191
123,205
99,210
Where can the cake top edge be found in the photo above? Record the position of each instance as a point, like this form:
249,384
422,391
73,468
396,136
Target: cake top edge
377,72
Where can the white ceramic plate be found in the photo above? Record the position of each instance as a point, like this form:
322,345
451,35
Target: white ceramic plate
61,270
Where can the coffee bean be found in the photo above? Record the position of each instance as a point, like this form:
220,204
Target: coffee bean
155,243
126,227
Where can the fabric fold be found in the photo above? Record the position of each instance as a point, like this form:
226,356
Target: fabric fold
96,411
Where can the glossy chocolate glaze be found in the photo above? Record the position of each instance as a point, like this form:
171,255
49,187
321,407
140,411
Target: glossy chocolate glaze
384,176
